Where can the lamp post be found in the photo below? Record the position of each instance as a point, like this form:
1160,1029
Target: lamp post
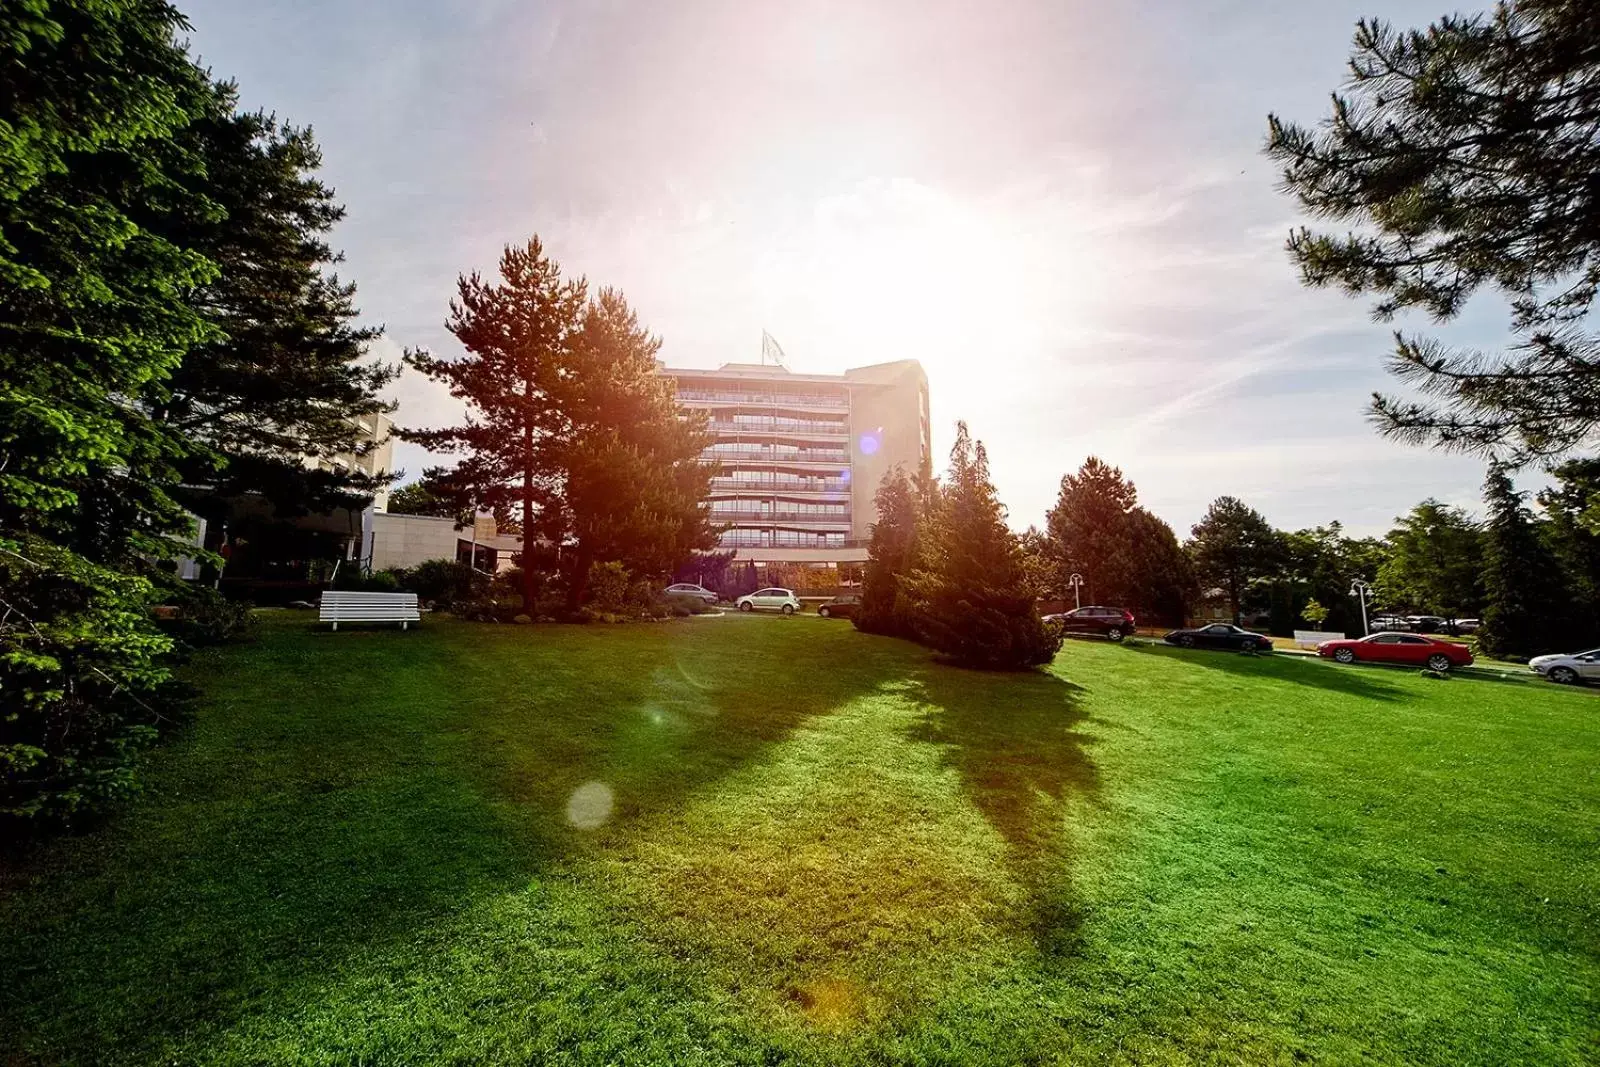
1076,581
1360,588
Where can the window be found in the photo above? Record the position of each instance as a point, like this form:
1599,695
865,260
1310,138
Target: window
1385,639
1219,629
1407,639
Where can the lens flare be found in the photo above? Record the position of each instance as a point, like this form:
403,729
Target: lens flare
589,806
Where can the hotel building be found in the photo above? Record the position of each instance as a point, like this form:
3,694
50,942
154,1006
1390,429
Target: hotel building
799,456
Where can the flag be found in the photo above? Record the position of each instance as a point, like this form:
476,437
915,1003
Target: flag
771,351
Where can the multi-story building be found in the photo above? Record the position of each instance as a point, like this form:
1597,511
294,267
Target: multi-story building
799,456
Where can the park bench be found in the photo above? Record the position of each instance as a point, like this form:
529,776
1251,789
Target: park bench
337,607
1313,638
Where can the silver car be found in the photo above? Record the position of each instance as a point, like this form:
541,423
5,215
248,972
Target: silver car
1568,670
691,589
782,600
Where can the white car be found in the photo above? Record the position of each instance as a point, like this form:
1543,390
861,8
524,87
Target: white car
1568,670
690,589
782,600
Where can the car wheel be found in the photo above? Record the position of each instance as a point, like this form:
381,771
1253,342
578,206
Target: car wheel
1114,634
824,612
1344,655
1563,675
1438,662
747,606
788,609
1186,641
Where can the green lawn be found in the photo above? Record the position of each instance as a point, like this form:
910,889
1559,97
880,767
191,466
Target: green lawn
380,847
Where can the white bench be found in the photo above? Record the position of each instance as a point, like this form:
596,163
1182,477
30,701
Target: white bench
337,607
1313,638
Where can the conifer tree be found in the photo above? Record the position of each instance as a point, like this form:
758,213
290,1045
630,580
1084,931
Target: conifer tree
94,99
1463,158
891,556
1234,546
1524,601
971,594
569,428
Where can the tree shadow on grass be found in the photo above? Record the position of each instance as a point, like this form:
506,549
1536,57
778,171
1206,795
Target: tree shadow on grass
1297,670
337,796
1015,740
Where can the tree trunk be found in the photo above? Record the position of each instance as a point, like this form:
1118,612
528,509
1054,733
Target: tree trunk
530,584
578,584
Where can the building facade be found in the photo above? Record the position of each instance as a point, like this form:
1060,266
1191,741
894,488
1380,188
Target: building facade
375,434
799,456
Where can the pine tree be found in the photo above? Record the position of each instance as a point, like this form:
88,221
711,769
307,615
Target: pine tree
1232,547
1128,557
286,375
1465,157
971,595
891,556
518,337
1524,601
1088,529
1571,505
1435,563
569,428
633,482
94,99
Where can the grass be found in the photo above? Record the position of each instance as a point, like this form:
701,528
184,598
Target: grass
736,840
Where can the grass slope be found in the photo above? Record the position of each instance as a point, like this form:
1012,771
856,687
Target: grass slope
808,845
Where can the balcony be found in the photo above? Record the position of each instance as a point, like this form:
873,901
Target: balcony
718,397
783,539
767,455
781,428
779,518
785,487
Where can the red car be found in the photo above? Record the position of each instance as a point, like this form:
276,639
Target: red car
1399,648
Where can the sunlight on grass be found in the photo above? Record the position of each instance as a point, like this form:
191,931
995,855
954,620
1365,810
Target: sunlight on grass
758,840
822,878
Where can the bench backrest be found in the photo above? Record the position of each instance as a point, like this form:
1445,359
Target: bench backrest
369,607
1313,638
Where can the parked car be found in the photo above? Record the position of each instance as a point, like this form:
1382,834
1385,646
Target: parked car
1111,623
1399,648
773,599
691,589
843,606
1387,623
1220,635
1568,669
1468,626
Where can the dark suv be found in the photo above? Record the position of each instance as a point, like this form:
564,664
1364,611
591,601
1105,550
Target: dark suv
1111,623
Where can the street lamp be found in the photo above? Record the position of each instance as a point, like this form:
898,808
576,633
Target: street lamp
1360,588
1076,581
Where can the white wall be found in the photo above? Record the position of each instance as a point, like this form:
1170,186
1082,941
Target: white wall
407,540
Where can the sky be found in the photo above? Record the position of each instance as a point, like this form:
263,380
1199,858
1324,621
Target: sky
1060,207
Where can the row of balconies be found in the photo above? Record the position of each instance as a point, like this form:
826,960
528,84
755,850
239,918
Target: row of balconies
781,539
795,400
796,518
787,427
781,485
776,455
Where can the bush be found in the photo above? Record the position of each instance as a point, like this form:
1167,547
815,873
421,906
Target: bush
682,605
85,684
351,579
443,582
608,588
206,617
